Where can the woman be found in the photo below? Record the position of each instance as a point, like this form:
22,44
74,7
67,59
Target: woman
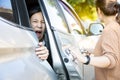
38,25
107,50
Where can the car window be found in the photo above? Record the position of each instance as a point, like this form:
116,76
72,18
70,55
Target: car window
73,23
55,16
6,10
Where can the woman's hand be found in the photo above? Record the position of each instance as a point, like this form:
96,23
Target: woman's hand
77,55
42,52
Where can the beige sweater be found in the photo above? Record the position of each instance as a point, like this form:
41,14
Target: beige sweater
109,45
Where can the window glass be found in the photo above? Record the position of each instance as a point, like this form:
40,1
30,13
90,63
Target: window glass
74,26
6,9
55,16
73,22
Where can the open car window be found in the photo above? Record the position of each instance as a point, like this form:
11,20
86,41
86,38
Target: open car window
74,23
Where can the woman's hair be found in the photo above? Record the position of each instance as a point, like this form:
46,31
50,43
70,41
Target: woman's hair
34,10
109,9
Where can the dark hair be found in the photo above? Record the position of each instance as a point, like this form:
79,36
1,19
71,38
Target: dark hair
109,9
34,10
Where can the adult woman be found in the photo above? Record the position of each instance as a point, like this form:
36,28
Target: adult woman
107,50
38,24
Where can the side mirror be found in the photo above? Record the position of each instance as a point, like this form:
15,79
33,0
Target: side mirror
95,29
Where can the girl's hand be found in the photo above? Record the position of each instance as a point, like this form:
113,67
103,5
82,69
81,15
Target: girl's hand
42,52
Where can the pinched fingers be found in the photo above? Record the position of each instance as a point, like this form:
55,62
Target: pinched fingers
42,52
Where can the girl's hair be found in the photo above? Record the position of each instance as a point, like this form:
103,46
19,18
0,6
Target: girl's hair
34,10
109,9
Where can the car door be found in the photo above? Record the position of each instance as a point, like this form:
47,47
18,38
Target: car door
81,40
58,29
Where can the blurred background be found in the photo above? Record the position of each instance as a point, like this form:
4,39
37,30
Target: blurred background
84,8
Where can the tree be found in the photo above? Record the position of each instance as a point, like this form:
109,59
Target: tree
84,8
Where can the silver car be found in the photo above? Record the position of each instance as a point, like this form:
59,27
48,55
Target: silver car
18,41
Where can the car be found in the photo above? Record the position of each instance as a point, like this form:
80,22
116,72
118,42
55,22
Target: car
18,41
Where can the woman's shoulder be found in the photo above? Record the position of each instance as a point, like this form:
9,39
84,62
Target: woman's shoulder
112,29
112,26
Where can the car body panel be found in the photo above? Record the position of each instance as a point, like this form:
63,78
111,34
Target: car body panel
17,55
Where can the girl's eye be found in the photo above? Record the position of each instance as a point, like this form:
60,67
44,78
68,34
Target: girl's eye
34,21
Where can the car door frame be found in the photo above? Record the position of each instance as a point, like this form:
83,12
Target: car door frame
68,68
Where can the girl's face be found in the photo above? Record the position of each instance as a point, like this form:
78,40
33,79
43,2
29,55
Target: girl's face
38,24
